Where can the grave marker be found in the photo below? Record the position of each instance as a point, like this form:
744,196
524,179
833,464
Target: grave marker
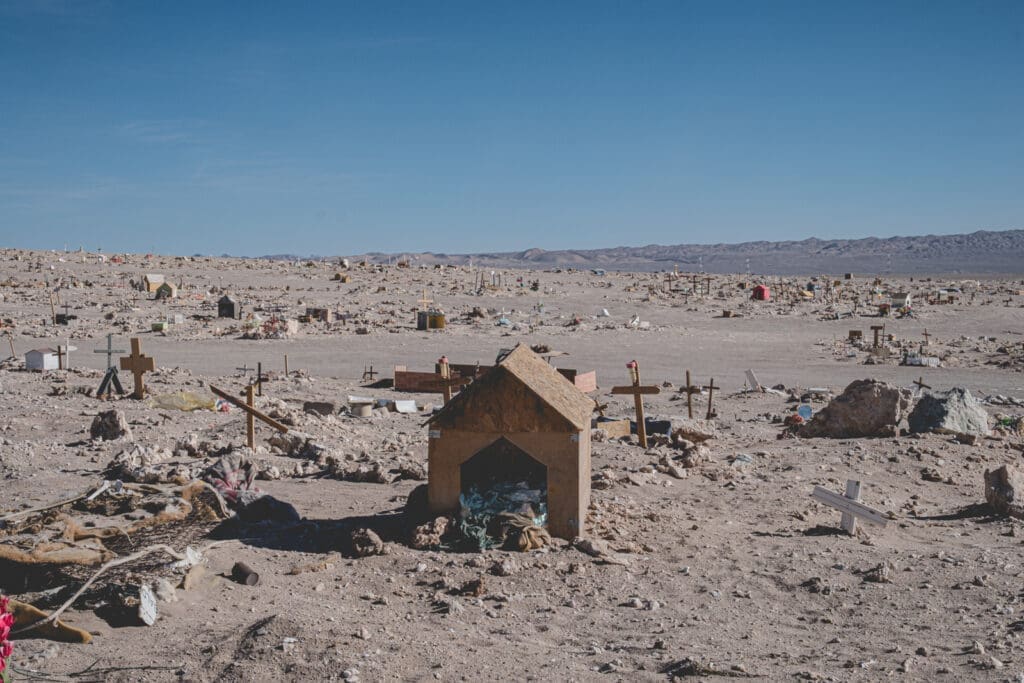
139,364
850,506
711,393
637,392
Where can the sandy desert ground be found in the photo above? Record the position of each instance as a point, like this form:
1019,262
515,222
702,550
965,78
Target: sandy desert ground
727,568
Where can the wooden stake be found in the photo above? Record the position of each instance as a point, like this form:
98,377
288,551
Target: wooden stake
689,396
250,420
286,365
711,395
53,310
637,391
446,378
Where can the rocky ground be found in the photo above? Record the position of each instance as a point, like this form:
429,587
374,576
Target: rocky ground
701,560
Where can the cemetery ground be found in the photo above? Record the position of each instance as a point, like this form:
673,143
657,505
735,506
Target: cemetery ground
719,564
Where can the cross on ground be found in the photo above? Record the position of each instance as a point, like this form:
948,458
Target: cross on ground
850,506
637,392
711,394
110,350
425,301
139,364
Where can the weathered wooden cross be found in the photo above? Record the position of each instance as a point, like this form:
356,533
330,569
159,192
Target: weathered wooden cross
920,384
711,394
251,413
927,337
139,364
850,506
369,374
877,329
637,391
425,301
110,350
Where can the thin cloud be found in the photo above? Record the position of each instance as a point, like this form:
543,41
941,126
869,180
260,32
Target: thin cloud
161,131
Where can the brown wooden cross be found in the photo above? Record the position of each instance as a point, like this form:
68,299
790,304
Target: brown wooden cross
425,301
637,391
927,337
920,383
711,394
599,407
138,364
369,374
60,357
877,329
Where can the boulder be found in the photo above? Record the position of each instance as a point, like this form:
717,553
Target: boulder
110,425
1004,491
366,542
949,412
866,408
697,431
320,407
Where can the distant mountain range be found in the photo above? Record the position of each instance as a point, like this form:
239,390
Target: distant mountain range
978,253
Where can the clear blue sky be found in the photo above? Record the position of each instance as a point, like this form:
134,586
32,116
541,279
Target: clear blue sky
338,128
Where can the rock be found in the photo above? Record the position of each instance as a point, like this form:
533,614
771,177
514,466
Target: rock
110,425
320,407
366,542
266,508
1004,491
866,408
697,431
504,567
951,412
883,573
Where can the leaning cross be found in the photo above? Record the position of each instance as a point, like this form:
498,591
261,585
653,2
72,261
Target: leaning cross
138,364
850,506
920,384
711,395
637,391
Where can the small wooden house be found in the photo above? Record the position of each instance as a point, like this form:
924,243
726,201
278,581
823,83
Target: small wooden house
521,421
151,282
167,290
42,359
227,307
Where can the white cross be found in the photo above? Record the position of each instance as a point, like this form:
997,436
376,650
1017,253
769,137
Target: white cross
850,506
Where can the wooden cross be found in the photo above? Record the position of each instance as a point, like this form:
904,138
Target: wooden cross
850,506
138,364
245,369
920,384
60,357
711,394
877,329
110,350
251,413
599,407
425,300
369,374
637,391
927,337
53,310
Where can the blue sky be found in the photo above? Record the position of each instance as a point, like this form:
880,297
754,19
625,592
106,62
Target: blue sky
339,128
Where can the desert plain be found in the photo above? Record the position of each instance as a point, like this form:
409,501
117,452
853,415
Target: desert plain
720,564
